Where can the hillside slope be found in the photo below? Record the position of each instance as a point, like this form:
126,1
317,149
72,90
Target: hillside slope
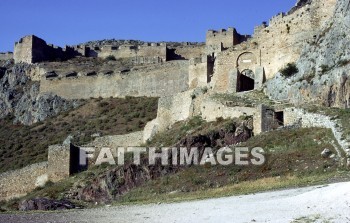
22,145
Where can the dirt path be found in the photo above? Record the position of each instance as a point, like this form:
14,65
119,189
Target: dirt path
330,203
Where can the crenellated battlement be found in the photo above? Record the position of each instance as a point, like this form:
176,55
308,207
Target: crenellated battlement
152,80
274,44
277,18
220,40
32,49
6,56
147,53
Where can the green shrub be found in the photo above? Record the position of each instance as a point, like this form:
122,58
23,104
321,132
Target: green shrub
110,58
324,68
204,90
289,70
288,28
103,104
344,62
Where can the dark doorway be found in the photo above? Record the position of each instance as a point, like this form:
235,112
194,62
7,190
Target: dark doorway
75,166
279,117
244,83
210,68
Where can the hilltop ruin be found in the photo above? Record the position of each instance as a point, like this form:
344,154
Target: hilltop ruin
186,76
228,61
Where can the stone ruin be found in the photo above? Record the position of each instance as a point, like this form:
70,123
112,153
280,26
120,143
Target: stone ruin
63,161
228,63
32,49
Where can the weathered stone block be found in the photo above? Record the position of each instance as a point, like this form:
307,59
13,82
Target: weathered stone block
59,159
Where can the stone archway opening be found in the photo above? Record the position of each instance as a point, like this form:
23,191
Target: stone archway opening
245,81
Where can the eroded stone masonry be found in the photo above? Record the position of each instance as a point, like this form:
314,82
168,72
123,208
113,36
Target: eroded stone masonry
184,75
228,61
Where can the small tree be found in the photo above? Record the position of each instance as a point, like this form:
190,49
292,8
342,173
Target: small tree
289,70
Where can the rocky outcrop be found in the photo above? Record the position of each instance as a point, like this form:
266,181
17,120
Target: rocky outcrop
33,107
110,185
12,83
20,96
323,76
44,204
118,181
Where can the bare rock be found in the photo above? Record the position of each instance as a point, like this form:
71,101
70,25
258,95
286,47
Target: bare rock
44,204
110,185
323,76
326,153
21,96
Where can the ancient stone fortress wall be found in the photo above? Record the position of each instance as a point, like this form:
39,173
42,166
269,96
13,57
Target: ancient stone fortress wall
115,141
200,71
63,160
198,102
6,56
151,81
23,50
283,40
264,117
19,182
147,53
134,139
228,66
272,46
219,40
211,110
185,51
151,53
172,109
31,49
307,120
59,159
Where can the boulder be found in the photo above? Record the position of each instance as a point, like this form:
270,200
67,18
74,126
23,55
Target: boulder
326,153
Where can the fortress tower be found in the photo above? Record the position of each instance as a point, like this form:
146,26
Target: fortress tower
32,49
218,41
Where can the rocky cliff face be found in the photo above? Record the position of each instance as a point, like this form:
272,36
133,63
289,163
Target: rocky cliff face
20,96
323,76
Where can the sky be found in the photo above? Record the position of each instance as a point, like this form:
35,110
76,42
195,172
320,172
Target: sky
69,22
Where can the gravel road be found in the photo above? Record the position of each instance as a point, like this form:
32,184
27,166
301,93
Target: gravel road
328,203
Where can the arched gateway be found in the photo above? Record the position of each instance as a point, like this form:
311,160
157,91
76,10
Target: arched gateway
246,65
245,80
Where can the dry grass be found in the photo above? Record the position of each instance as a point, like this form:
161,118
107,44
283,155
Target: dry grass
138,196
293,160
24,145
336,113
245,99
193,126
